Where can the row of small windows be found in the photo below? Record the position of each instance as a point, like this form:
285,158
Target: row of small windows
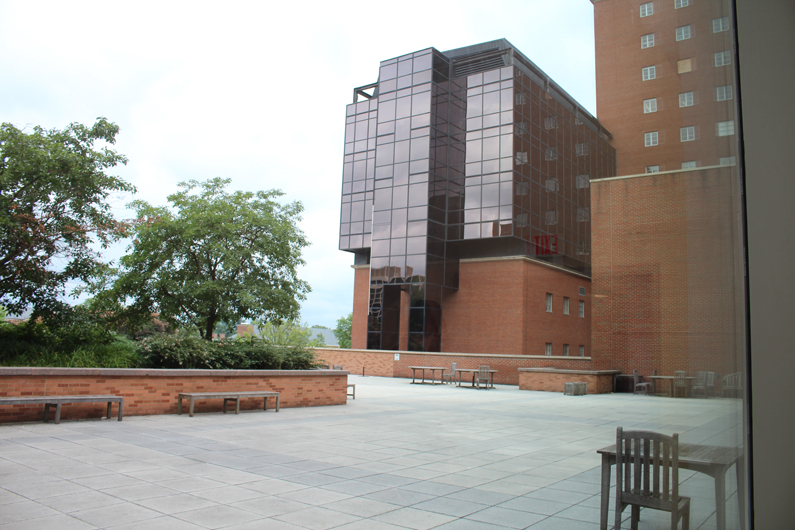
684,66
688,134
686,99
691,164
685,32
548,350
647,9
566,305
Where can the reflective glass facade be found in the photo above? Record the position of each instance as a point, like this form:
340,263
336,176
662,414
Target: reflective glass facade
469,153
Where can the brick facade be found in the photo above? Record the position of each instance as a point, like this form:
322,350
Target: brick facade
149,392
599,382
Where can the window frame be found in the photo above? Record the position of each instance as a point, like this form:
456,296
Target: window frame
688,101
725,58
549,303
648,104
581,309
565,305
646,10
649,73
548,349
651,138
647,41
679,4
726,89
723,24
654,169
565,350
683,33
687,134
728,128
691,164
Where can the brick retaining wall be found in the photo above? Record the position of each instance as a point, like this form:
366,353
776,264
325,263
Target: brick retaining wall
148,392
552,380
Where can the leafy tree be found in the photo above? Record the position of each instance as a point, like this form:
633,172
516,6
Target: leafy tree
53,206
215,257
343,331
288,333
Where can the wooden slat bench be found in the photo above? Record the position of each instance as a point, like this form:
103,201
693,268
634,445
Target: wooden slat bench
227,397
57,401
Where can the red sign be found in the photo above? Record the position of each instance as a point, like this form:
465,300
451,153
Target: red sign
545,245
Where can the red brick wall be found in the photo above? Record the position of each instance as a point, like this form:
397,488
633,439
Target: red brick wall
374,362
148,392
500,308
553,382
361,307
665,273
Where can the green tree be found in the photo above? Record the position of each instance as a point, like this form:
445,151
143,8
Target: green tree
343,331
214,257
288,333
54,207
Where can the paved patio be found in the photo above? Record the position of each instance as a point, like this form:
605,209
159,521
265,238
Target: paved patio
399,456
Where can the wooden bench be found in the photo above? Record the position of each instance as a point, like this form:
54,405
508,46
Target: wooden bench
57,401
227,397
352,390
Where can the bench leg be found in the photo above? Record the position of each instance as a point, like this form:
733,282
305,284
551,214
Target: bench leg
57,413
237,405
225,400
190,412
266,404
121,406
109,404
277,403
46,416
179,404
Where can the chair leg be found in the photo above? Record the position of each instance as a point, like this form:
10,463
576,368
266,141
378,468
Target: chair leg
635,517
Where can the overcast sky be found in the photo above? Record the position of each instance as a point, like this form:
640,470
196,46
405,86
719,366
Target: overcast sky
254,91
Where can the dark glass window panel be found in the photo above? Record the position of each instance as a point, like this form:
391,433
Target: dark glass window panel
383,199
400,196
358,186
378,268
387,111
416,342
388,72
401,151
397,266
417,297
416,319
419,166
345,213
423,120
417,228
491,148
506,192
373,341
435,247
474,168
491,103
383,172
422,62
403,129
436,214
419,212
506,145
380,248
420,148
472,231
433,322
386,86
415,264
359,169
356,241
416,245
399,223
472,197
383,217
490,195
489,229
405,67
435,272
421,103
418,194
357,211
472,216
506,228
433,296
384,154
474,106
398,246
490,214
492,120
403,108
474,150
435,230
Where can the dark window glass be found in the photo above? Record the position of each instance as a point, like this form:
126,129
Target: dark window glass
415,265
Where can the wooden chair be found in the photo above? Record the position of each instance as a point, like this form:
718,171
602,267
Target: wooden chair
680,381
647,476
710,383
731,383
337,367
451,376
640,388
700,384
482,376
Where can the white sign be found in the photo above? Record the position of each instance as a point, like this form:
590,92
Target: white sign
397,356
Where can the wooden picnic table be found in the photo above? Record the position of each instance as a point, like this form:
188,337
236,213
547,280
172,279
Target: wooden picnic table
474,372
712,460
227,397
433,370
671,379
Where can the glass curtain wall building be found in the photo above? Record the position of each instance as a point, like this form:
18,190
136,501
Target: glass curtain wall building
468,153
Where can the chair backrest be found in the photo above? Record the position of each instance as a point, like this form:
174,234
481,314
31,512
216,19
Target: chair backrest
483,372
711,379
680,378
338,367
731,381
453,367
701,378
647,469
636,377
